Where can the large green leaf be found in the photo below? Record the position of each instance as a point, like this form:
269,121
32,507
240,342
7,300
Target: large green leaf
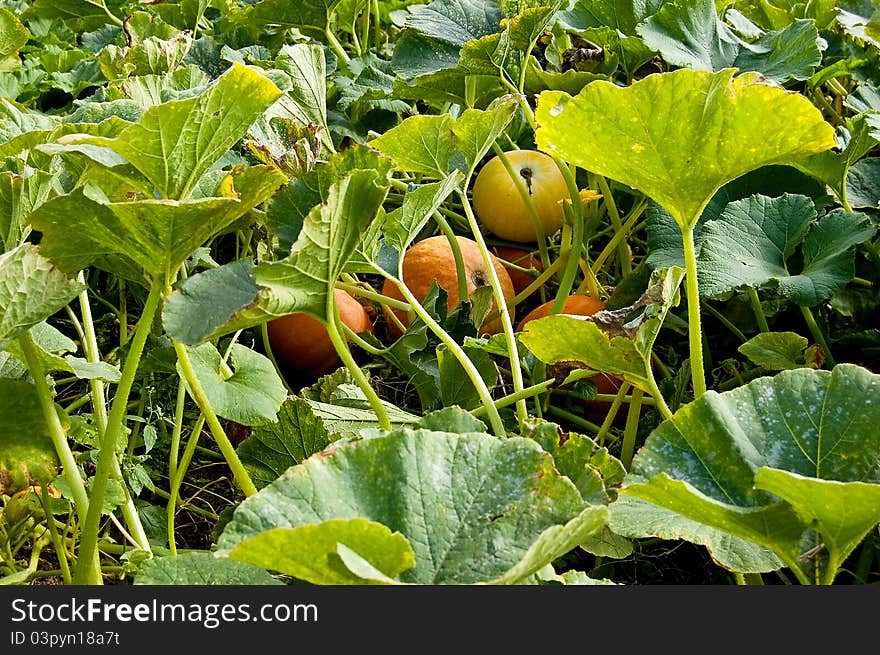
724,127
636,519
156,235
438,145
689,33
471,506
272,449
307,67
304,280
789,463
288,210
207,301
436,32
175,143
313,14
752,241
601,342
201,569
27,455
252,395
152,56
31,290
13,35
312,552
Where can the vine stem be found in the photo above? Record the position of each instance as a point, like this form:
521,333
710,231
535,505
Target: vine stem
110,437
528,392
198,394
695,330
57,539
177,480
99,408
612,413
818,335
460,274
623,250
457,351
627,449
345,355
70,469
758,310
516,375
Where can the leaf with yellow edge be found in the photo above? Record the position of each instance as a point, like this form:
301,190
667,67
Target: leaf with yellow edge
723,127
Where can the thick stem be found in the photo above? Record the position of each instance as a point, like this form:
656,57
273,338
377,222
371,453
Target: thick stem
624,254
695,331
110,437
528,392
460,273
99,410
348,360
612,412
70,469
516,375
758,310
57,539
198,394
628,447
571,255
459,354
177,479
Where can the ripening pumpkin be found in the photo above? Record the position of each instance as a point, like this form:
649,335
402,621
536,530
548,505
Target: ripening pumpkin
432,259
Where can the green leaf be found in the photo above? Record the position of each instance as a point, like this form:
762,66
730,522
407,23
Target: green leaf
251,396
27,455
776,351
175,143
13,35
603,341
157,236
637,519
272,449
31,290
20,194
855,139
205,302
310,552
751,242
455,387
200,569
153,56
304,280
289,208
554,542
307,67
808,437
314,14
594,471
349,420
438,145
150,90
726,126
419,204
471,506
689,33
455,21
863,184
622,15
